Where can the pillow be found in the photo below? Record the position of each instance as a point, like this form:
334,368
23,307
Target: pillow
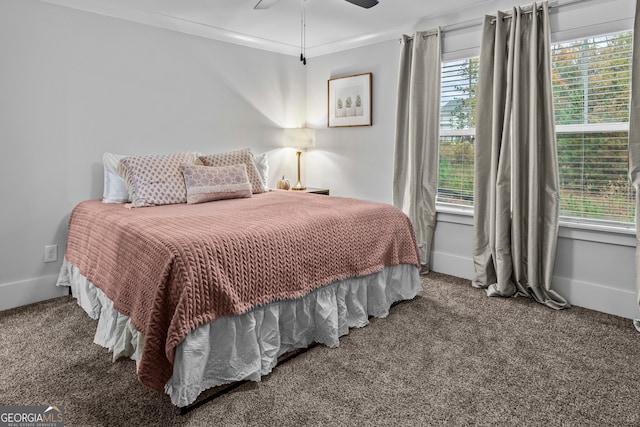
208,183
234,158
156,180
115,189
262,165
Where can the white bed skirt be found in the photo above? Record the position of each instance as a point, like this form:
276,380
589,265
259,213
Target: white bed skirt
247,346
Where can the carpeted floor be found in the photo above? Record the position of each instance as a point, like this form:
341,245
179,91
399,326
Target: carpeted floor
451,356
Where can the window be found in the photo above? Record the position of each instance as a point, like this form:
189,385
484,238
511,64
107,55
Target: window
457,131
591,88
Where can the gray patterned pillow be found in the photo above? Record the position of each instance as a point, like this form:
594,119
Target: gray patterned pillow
156,180
234,158
208,183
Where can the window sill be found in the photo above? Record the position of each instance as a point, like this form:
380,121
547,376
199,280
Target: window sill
603,226
610,233
454,209
455,214
591,231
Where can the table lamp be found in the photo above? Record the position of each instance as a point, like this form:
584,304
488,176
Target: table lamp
300,139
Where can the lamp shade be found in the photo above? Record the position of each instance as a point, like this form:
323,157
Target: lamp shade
300,138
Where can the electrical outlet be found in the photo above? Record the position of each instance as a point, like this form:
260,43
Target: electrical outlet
50,253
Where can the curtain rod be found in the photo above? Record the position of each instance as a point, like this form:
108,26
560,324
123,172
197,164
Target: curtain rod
479,21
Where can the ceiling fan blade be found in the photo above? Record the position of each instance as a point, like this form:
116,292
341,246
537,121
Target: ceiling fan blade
364,3
265,4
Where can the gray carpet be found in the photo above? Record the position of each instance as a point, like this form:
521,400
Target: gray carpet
451,356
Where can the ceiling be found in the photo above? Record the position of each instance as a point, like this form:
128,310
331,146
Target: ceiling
331,25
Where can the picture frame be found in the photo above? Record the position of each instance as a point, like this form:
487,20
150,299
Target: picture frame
349,101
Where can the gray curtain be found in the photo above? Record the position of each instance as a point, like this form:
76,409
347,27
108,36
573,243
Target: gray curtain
415,173
634,141
516,200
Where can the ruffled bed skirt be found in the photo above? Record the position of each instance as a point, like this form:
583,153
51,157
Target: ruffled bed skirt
247,346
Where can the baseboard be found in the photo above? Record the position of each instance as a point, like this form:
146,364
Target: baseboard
29,291
452,265
619,302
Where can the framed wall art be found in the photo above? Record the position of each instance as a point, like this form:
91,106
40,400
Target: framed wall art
350,101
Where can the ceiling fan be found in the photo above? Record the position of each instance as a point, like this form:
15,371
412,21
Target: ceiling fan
266,4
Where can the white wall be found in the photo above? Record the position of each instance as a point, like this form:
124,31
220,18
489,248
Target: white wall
355,161
74,85
594,268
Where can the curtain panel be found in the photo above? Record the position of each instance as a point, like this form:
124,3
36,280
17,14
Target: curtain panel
634,142
415,172
516,188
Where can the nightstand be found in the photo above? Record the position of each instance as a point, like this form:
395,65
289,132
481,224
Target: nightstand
314,190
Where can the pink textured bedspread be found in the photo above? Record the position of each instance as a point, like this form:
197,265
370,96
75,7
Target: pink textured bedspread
173,268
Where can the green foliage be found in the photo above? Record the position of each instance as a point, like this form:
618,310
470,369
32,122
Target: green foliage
463,114
594,203
591,80
348,102
591,86
339,102
358,101
455,170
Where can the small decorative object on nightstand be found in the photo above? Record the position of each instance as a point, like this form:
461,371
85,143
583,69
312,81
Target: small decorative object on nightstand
314,190
283,184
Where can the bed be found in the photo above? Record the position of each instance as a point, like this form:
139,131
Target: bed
206,294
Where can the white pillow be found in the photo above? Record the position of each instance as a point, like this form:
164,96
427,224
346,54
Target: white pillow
262,164
115,189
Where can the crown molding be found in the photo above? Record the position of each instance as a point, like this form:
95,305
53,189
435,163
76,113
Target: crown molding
173,23
591,12
200,29
391,33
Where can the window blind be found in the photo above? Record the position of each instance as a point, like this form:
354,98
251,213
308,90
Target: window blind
457,131
591,88
591,80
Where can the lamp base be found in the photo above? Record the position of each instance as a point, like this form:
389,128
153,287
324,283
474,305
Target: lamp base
299,187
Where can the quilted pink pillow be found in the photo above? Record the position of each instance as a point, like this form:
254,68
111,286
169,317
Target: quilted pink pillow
207,183
156,180
234,158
